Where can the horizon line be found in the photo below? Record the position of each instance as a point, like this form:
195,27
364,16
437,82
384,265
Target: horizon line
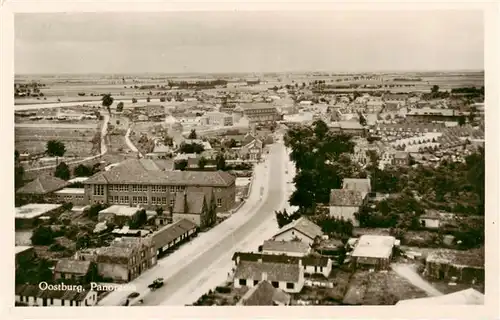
249,72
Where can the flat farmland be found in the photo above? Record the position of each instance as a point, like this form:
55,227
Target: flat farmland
32,138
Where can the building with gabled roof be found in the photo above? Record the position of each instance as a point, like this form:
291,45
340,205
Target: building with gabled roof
41,188
312,263
289,248
33,295
344,203
373,251
195,207
362,185
151,185
72,269
302,228
125,259
287,277
171,235
264,294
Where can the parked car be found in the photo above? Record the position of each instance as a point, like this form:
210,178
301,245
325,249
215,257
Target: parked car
158,283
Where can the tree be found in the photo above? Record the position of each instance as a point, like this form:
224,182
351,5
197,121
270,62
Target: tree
55,148
148,99
191,148
159,211
162,99
192,134
220,162
119,106
18,171
42,236
107,101
134,100
435,89
93,212
83,171
181,165
317,154
202,163
461,120
138,219
168,141
62,171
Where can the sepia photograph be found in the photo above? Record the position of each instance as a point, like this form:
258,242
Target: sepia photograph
249,158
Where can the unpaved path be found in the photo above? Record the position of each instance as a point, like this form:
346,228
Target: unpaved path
411,275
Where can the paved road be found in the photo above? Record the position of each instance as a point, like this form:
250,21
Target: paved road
411,275
104,148
194,258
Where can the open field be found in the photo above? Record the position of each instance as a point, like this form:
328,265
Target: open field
380,288
78,140
68,88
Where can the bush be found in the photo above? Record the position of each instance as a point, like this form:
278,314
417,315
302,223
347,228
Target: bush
42,236
221,289
56,247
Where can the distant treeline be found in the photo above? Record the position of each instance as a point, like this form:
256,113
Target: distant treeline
407,79
473,91
197,84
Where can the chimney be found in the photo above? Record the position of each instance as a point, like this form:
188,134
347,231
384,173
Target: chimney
264,276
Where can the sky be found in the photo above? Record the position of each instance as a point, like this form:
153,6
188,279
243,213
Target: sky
238,41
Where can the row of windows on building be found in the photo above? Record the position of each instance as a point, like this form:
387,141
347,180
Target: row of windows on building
144,200
51,300
71,198
263,110
289,285
99,189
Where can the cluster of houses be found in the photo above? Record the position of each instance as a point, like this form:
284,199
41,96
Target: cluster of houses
298,250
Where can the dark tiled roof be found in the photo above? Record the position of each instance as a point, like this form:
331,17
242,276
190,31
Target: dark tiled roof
264,294
134,171
43,185
171,232
195,202
363,185
275,271
117,254
285,246
310,260
345,198
72,266
31,290
303,225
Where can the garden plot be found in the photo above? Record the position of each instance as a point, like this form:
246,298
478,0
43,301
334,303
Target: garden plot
380,288
78,141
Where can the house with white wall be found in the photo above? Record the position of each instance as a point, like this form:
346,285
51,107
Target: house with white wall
345,203
36,295
301,229
287,277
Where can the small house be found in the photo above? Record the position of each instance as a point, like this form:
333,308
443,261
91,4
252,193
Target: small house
264,294
430,219
70,269
34,295
301,229
373,251
287,277
289,248
345,203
